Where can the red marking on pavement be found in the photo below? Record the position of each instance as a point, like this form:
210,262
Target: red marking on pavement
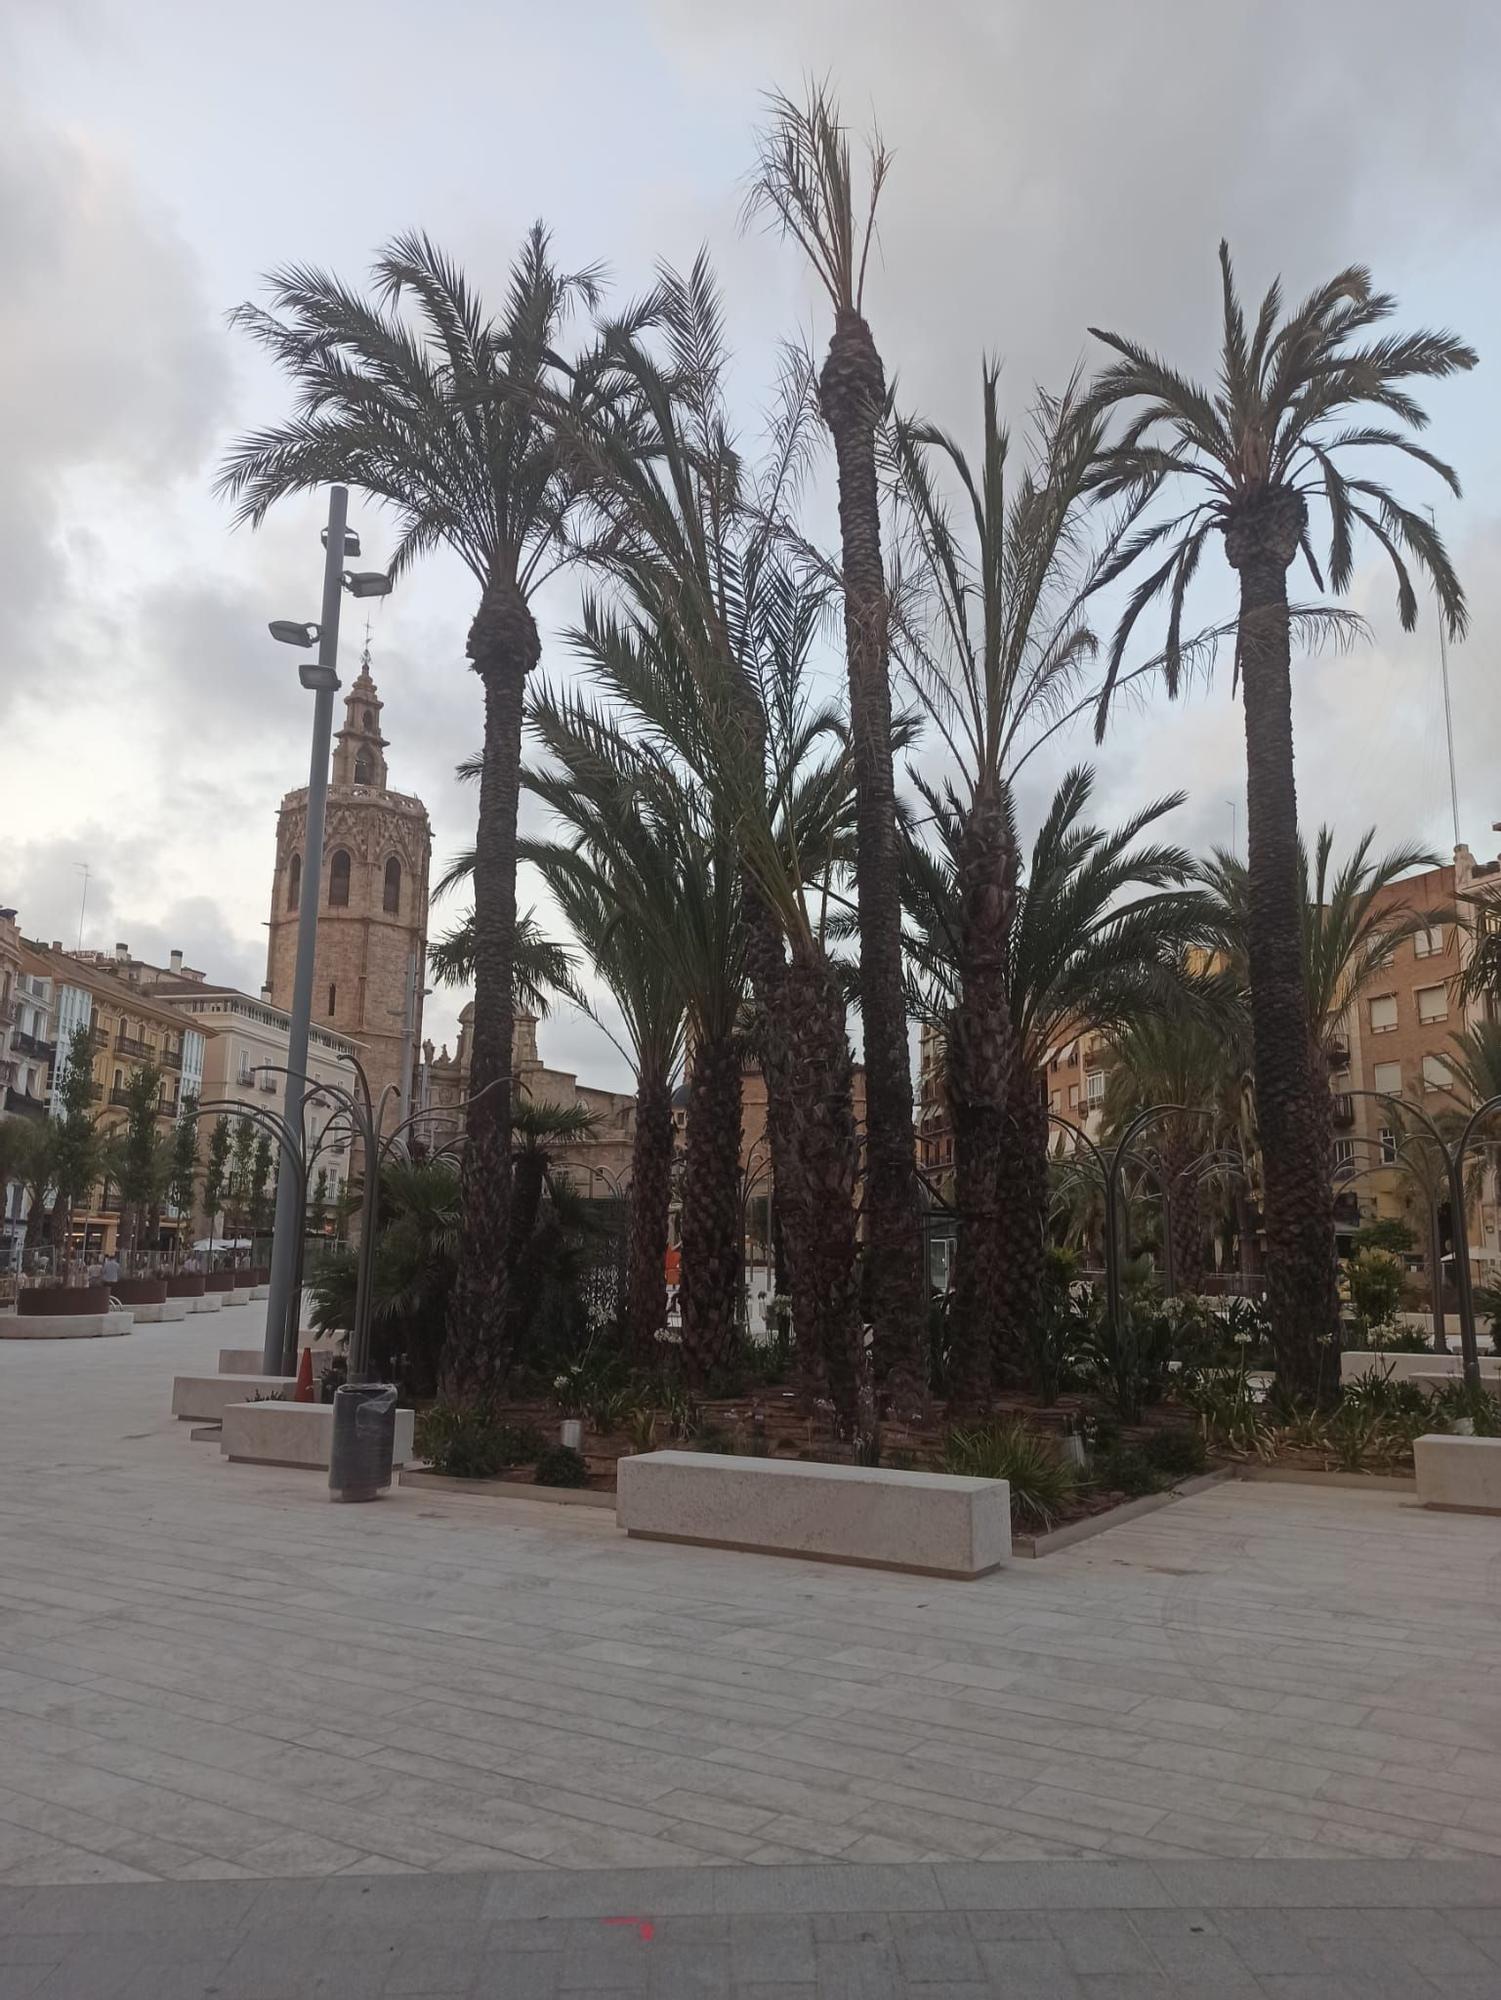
645,1929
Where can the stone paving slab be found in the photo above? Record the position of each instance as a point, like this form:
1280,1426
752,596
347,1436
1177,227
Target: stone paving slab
211,1673
1132,1930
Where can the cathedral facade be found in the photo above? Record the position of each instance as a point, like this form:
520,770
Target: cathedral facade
372,912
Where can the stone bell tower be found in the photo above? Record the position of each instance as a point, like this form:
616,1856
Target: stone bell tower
372,912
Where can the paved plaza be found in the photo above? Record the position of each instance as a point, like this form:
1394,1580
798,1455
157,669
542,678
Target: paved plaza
229,1697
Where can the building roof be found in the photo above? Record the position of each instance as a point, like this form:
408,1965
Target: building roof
94,977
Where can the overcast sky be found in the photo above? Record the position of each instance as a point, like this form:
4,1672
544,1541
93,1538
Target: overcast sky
1057,165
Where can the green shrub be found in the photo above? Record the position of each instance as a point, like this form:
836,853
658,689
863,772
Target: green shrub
1456,1401
1178,1454
1375,1282
1127,1469
561,1465
1041,1482
463,1441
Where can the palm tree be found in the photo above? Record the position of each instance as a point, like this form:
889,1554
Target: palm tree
1351,922
994,649
1085,952
444,423
805,182
707,657
1287,413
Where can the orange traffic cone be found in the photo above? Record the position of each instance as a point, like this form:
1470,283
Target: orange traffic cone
303,1393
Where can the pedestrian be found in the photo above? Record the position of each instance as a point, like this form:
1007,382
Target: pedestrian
110,1269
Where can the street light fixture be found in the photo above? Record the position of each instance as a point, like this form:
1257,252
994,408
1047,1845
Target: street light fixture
321,678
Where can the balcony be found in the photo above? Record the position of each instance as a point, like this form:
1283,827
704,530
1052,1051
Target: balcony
138,1051
33,1045
120,1096
169,1058
23,1105
1342,1110
7,1013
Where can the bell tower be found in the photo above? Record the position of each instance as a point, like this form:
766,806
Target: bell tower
372,906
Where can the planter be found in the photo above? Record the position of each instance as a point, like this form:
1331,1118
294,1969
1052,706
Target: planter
185,1285
63,1300
259,1274
219,1281
140,1291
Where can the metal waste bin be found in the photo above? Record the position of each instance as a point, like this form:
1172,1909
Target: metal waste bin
364,1441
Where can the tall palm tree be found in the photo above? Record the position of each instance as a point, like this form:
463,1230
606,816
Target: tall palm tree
704,650
1087,950
994,646
1275,434
805,181
442,421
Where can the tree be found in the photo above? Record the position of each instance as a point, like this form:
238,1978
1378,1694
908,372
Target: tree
239,1190
261,1205
182,1180
134,1157
216,1175
317,1215
1085,953
805,181
1277,433
77,1155
994,647
444,422
30,1146
708,658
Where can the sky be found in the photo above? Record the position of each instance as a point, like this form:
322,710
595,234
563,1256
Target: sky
1056,166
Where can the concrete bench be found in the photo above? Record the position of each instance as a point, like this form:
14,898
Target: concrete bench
202,1399
1402,1367
930,1522
297,1434
1460,1473
64,1326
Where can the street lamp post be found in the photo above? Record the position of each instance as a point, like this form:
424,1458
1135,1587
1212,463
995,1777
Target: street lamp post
322,676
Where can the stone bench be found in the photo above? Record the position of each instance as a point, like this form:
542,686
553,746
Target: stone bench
64,1326
295,1434
202,1399
930,1522
1459,1473
208,1302
1402,1367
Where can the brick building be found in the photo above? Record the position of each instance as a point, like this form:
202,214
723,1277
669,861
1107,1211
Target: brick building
372,916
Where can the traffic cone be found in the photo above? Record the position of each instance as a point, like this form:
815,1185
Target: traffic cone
303,1393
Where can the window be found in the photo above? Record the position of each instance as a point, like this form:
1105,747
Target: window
1388,1146
364,769
1388,1077
1054,1102
1073,1097
1383,1014
369,719
1344,1152
333,994
391,896
294,882
1436,1074
338,888
1433,1003
1428,944
1095,1087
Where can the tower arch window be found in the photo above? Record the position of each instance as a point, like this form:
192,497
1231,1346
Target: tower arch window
294,881
338,880
364,768
391,894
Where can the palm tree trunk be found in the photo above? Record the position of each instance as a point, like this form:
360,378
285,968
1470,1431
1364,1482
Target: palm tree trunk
504,646
1022,1202
1298,1202
528,1178
825,1283
651,1197
979,1073
1185,1220
713,1251
852,391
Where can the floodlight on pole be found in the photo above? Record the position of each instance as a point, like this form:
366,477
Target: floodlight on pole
351,541
367,583
289,633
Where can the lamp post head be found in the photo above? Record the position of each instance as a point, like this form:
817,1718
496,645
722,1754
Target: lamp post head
289,633
317,679
351,541
367,583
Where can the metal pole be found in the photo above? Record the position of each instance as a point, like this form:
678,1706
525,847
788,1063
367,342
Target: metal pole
1436,1260
1461,1229
408,1037
289,1221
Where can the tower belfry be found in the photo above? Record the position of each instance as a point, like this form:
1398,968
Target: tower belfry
372,903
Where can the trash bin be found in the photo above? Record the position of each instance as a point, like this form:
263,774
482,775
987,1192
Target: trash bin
364,1441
